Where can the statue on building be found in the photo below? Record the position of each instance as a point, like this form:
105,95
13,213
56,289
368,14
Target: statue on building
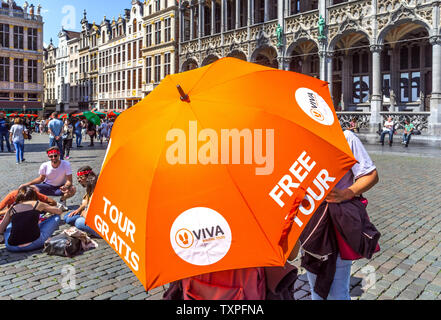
321,28
342,102
392,100
25,7
39,9
31,10
279,32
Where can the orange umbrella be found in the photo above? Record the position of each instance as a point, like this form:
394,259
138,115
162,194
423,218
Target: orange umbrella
235,158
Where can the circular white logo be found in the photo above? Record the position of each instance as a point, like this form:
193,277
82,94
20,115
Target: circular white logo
200,236
314,106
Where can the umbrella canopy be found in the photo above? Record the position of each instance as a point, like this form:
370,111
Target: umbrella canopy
64,116
113,114
100,114
12,115
92,117
235,158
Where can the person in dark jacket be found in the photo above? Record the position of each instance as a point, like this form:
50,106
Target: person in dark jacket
361,178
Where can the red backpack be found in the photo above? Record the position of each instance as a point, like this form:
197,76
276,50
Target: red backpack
238,284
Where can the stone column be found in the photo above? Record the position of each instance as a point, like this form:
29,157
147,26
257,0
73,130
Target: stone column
435,100
201,18
213,17
250,12
237,24
329,71
181,25
346,82
376,98
266,11
191,22
322,71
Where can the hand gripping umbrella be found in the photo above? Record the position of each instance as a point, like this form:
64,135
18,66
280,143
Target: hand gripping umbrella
218,168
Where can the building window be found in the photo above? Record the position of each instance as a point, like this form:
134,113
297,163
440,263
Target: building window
167,29
32,71
360,89
4,35
167,63
18,96
158,32
32,39
4,69
4,95
134,50
148,68
148,38
18,37
410,75
133,79
157,5
157,68
140,48
32,96
129,80
129,51
140,78
18,70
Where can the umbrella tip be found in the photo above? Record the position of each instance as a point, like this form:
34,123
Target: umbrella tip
184,97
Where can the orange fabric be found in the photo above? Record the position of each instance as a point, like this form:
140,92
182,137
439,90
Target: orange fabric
139,187
10,199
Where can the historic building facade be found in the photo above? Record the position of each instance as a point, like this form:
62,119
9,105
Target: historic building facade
120,60
380,57
160,43
21,57
49,74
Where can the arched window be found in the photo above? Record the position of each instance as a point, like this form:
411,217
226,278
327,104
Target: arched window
135,26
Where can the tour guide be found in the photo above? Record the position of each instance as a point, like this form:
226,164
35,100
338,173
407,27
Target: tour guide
55,178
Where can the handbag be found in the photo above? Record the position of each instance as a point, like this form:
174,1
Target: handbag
62,245
25,135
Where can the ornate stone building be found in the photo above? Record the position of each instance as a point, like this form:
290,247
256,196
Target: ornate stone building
21,57
160,43
120,60
49,74
380,57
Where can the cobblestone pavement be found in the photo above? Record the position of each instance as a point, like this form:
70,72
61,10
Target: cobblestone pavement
403,206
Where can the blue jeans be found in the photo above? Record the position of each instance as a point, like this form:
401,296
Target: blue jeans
58,143
340,284
47,228
78,138
5,135
406,138
80,223
391,136
19,151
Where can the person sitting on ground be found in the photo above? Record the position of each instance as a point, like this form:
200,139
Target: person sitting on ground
388,128
408,131
11,197
55,178
21,226
87,178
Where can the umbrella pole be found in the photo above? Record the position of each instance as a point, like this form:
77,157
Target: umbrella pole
184,97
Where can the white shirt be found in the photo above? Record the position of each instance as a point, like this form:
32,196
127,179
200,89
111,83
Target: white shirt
56,176
388,123
364,166
17,133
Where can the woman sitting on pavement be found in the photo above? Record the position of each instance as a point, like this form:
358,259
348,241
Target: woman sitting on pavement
21,226
87,178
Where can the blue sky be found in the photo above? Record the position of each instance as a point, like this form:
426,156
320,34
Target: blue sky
68,13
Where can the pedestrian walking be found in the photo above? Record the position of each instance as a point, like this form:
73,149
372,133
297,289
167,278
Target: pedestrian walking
4,132
55,128
78,133
87,179
16,136
21,225
329,274
67,138
91,131
103,131
55,178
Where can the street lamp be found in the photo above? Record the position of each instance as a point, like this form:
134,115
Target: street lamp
24,109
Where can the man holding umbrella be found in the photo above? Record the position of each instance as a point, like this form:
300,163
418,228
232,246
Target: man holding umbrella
4,132
55,128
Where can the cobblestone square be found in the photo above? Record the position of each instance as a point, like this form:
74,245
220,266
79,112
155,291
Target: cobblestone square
403,206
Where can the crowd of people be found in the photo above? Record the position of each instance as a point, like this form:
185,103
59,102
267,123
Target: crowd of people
14,132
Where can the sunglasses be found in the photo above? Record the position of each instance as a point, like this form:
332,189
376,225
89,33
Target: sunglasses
53,156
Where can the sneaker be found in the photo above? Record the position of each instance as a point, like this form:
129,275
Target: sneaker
62,205
67,158
23,160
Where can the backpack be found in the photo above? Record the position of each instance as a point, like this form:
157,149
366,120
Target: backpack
237,284
62,245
